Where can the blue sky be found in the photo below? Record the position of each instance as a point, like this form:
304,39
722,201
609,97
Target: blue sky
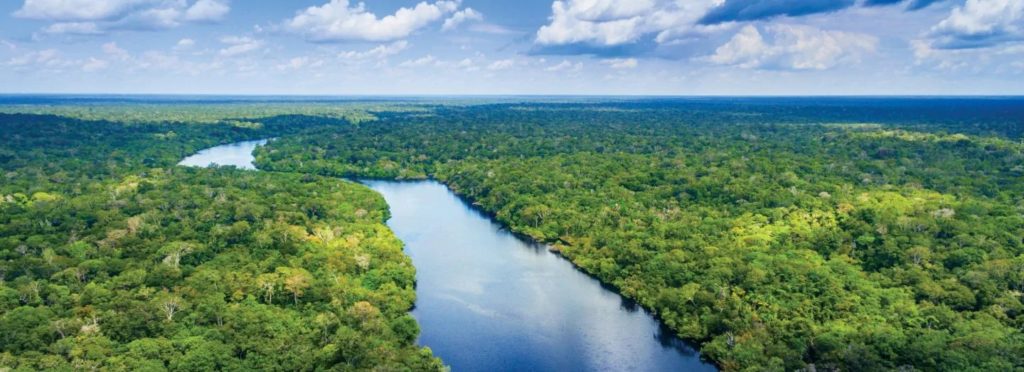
393,47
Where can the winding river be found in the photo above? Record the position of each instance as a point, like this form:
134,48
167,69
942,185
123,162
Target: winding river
488,300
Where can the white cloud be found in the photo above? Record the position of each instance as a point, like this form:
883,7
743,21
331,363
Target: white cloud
379,52
73,28
599,10
111,49
792,47
238,45
503,64
973,60
151,19
100,16
565,66
40,57
76,10
422,61
745,48
621,63
467,64
115,60
172,63
184,44
93,65
8,44
614,22
460,17
47,59
299,63
207,11
569,25
338,21
980,23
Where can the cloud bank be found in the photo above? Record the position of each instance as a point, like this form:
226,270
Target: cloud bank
93,17
338,20
792,47
979,24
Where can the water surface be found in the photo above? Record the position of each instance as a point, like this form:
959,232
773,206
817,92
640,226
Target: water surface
237,154
490,301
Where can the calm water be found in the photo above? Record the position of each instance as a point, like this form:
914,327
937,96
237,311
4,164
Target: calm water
237,154
489,301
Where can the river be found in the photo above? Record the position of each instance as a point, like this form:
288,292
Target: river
488,300
237,154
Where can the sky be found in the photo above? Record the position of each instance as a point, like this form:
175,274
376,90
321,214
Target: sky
532,47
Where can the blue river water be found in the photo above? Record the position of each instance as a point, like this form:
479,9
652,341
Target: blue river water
237,154
488,300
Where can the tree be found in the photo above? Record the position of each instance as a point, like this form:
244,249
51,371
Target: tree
268,283
296,281
169,304
173,252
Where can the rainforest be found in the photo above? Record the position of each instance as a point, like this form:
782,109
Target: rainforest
817,233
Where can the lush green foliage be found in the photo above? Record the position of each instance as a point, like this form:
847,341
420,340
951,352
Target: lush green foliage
857,234
770,234
194,112
112,258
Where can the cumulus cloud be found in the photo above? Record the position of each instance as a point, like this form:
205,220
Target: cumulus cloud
602,22
624,28
612,25
612,22
379,52
792,47
96,17
979,24
238,45
339,21
461,17
207,11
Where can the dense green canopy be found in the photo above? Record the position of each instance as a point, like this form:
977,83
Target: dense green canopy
776,237
847,234
112,258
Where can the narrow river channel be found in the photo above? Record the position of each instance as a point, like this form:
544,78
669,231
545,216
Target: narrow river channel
488,300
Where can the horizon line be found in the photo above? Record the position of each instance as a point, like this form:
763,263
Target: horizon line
503,95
